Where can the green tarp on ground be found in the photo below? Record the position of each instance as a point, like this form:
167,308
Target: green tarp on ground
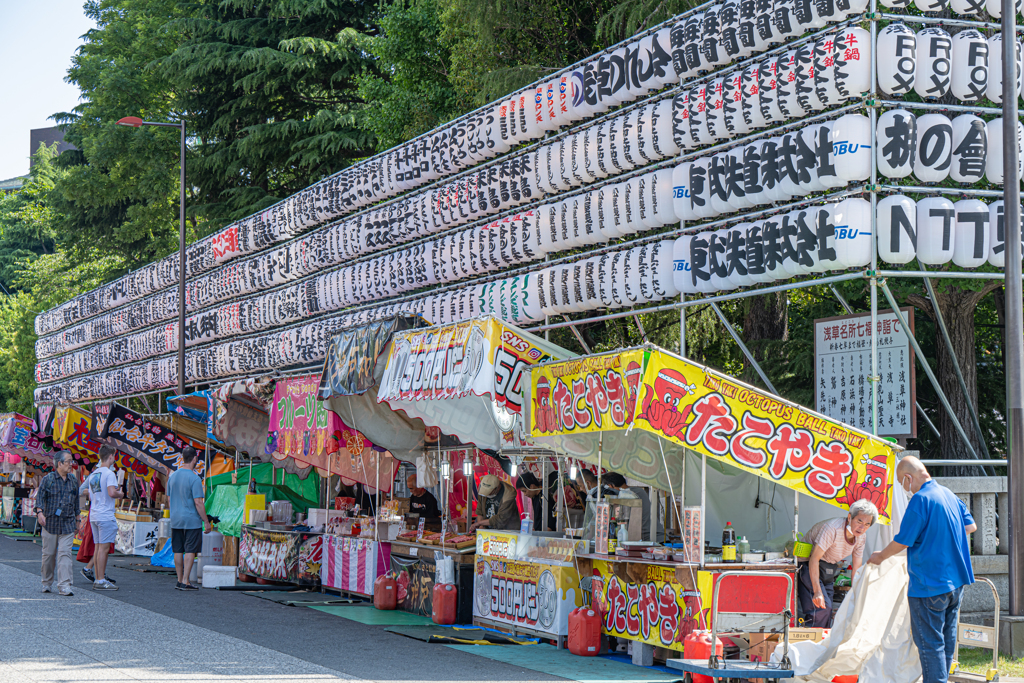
226,500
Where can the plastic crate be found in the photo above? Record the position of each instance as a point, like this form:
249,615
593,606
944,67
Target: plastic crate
215,576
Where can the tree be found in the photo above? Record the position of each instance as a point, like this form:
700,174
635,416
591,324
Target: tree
270,90
409,91
26,218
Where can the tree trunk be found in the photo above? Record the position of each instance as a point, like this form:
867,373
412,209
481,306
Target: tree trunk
957,307
766,319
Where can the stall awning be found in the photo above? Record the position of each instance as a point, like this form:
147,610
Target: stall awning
466,378
74,430
644,407
18,437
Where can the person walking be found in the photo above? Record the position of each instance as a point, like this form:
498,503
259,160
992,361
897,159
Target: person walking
103,492
87,548
188,516
934,532
57,513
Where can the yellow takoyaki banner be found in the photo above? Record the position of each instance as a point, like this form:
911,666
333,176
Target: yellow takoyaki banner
590,394
658,393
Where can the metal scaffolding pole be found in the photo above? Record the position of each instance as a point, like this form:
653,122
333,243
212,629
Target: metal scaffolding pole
873,187
743,347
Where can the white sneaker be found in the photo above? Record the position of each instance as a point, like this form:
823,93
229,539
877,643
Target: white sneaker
47,589
104,585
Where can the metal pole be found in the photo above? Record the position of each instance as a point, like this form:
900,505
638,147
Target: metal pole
703,502
181,269
927,368
1014,352
873,114
743,347
543,526
956,364
682,326
931,424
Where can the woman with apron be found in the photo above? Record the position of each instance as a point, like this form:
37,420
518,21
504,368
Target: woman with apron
834,540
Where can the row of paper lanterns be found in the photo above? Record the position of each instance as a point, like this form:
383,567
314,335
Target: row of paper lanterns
699,42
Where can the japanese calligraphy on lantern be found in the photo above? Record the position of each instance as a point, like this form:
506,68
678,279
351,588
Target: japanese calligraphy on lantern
586,394
755,431
842,371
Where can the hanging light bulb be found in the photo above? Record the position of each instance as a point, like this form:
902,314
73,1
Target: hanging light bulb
467,467
572,470
446,469
515,469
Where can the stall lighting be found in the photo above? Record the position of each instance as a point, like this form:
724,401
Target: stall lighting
446,469
572,470
467,467
515,469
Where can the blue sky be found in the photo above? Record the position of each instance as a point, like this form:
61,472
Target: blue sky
37,40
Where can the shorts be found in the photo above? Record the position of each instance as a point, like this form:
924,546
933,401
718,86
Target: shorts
104,532
186,541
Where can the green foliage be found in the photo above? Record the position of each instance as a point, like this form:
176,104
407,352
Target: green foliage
629,17
25,218
270,91
408,91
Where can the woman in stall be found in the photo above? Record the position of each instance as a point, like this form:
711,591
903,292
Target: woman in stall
834,540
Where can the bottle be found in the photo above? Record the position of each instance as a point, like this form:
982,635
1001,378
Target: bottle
742,548
252,486
728,543
622,535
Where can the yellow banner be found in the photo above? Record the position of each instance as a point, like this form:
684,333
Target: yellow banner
591,394
717,415
71,431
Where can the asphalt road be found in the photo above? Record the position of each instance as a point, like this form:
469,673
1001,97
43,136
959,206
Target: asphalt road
331,647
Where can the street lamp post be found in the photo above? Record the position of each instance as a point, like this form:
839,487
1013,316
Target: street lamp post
136,122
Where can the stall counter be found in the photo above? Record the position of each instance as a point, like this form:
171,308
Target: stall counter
286,556
352,565
414,566
136,538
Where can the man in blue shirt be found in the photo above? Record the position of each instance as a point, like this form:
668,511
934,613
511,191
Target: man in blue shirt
188,516
934,529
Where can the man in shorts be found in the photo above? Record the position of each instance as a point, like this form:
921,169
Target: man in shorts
103,492
188,516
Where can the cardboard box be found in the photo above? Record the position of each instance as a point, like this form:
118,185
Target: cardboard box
762,645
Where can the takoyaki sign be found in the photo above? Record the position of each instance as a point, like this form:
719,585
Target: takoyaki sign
714,414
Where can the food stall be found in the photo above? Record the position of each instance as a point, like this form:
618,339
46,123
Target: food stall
414,566
655,417
280,555
526,583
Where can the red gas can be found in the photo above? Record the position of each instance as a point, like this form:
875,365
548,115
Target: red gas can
584,632
697,645
385,593
446,602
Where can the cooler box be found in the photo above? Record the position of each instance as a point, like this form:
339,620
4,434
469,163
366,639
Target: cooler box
215,576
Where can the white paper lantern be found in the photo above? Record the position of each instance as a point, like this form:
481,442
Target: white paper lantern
618,279
636,272
608,211
825,71
785,20
697,106
736,180
700,189
681,193
693,31
718,268
716,110
852,62
969,54
970,149
932,77
788,161
852,221
750,99
994,160
823,223
994,90
936,219
897,229
806,13
729,18
766,33
663,139
896,141
718,182
752,187
971,240
736,256
662,188
997,234
754,253
995,8
813,146
967,7
605,280
774,248
711,38
768,87
771,171
678,41
806,93
828,163
661,61
934,148
681,133
932,5
787,99
732,105
851,147
681,275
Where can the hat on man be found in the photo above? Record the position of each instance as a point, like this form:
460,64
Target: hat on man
489,485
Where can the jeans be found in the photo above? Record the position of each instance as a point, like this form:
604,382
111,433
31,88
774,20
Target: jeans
811,616
57,554
933,623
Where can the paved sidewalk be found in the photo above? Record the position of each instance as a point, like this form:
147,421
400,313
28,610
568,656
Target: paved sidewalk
91,637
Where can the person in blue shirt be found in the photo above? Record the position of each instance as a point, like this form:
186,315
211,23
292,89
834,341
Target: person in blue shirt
934,532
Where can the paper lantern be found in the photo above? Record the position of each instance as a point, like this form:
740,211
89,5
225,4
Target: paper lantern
774,248
997,234
823,223
718,179
897,229
729,20
736,256
807,17
851,147
825,71
663,68
967,7
700,272
766,33
768,87
693,32
618,279
971,239
641,136
711,38
715,115
700,189
681,134
994,160
970,149
750,99
592,152
789,103
634,275
806,94
787,155
812,146
566,96
995,8
717,268
678,41
681,193
605,280
825,152
754,253
934,148
801,241
746,30
752,187
852,62
936,219
697,106
896,142
662,189
852,222
608,207
994,89
681,275
618,77
771,171
732,104
932,5
737,181
932,77
663,139
969,55
785,21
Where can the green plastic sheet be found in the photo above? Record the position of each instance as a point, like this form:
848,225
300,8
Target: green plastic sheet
226,500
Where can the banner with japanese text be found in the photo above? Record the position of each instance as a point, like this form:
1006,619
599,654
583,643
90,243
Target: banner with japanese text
719,416
589,394
131,433
71,430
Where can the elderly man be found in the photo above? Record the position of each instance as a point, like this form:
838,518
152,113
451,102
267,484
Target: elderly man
57,512
934,529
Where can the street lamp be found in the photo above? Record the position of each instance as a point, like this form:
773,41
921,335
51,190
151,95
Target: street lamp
136,122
